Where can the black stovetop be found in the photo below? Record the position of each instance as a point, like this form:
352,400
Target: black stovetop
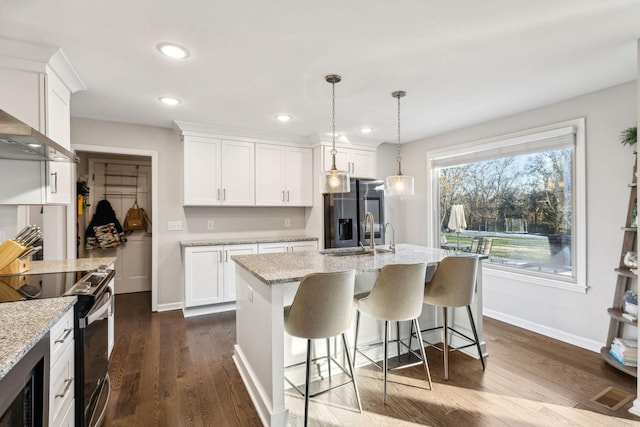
32,286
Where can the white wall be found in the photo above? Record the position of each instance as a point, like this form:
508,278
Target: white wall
578,318
8,222
228,221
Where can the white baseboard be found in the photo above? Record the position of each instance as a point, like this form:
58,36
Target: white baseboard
258,395
169,307
635,409
208,309
545,330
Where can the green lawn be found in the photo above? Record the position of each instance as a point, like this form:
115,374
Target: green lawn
513,247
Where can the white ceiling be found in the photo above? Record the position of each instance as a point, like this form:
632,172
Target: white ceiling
461,62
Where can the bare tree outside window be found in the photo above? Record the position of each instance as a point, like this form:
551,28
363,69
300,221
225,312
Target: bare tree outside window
522,204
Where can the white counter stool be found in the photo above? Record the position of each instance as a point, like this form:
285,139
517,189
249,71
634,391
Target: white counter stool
454,285
396,296
322,308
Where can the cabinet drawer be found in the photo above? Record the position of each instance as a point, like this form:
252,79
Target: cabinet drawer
61,335
61,380
67,415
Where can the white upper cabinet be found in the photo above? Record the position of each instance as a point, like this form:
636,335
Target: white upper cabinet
284,176
238,173
218,172
358,163
59,188
39,94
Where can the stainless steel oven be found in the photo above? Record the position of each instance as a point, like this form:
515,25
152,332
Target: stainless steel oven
92,311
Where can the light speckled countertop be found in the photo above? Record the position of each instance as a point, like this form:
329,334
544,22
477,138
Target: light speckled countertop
293,266
243,240
67,265
24,323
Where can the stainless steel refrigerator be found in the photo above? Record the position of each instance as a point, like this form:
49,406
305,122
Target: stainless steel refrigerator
344,214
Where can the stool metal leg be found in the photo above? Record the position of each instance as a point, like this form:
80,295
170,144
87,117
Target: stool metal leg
398,338
384,361
352,370
355,340
475,335
329,359
306,385
445,344
422,351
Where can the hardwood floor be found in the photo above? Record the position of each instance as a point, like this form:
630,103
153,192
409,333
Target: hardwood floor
170,371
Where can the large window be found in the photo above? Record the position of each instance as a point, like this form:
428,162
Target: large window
522,198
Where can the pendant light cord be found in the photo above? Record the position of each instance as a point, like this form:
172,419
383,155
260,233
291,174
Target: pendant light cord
333,125
399,94
333,79
399,157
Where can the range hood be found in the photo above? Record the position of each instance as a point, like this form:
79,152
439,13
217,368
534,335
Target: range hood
19,141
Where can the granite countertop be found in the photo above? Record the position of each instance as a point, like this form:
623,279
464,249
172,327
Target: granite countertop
243,240
67,265
293,266
24,323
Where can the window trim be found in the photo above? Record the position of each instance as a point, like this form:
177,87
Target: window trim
579,249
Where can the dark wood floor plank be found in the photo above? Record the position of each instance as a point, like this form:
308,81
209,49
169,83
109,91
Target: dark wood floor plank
170,371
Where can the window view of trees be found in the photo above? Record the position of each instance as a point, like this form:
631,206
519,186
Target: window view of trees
522,204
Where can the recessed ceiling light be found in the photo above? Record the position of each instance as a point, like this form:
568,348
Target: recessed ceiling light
173,50
283,117
366,130
35,144
169,100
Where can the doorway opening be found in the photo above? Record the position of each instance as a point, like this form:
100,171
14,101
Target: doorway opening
122,176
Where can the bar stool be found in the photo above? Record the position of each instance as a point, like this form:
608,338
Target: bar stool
396,296
454,285
322,308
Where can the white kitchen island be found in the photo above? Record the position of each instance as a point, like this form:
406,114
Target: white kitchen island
266,283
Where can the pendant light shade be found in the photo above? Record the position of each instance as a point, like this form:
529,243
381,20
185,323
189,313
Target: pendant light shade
399,185
334,180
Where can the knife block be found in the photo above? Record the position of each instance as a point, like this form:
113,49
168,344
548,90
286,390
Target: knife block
16,266
10,252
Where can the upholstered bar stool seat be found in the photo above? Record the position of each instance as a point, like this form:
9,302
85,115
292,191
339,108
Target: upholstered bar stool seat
454,285
322,308
396,296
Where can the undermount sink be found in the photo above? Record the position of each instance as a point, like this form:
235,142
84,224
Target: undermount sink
346,252
354,251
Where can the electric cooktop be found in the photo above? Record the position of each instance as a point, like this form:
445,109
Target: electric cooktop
31,286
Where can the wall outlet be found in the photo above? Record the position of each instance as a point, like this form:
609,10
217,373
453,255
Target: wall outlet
287,222
174,225
210,224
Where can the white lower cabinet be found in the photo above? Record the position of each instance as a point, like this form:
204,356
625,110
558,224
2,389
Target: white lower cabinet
279,247
61,373
210,274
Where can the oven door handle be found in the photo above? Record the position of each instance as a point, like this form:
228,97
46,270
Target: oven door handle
98,311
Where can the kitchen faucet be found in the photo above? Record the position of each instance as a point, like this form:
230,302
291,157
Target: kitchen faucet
368,217
393,236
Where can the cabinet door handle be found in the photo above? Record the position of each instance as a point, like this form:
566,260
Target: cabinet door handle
226,256
353,167
224,194
54,175
68,383
218,194
287,195
283,195
220,257
64,336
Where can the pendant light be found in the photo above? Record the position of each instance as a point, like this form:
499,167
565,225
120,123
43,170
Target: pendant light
399,185
333,180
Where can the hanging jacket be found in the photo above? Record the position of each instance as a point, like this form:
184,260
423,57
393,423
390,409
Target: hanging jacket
104,230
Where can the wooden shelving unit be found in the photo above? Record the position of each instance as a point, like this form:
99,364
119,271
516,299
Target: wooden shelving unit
625,278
